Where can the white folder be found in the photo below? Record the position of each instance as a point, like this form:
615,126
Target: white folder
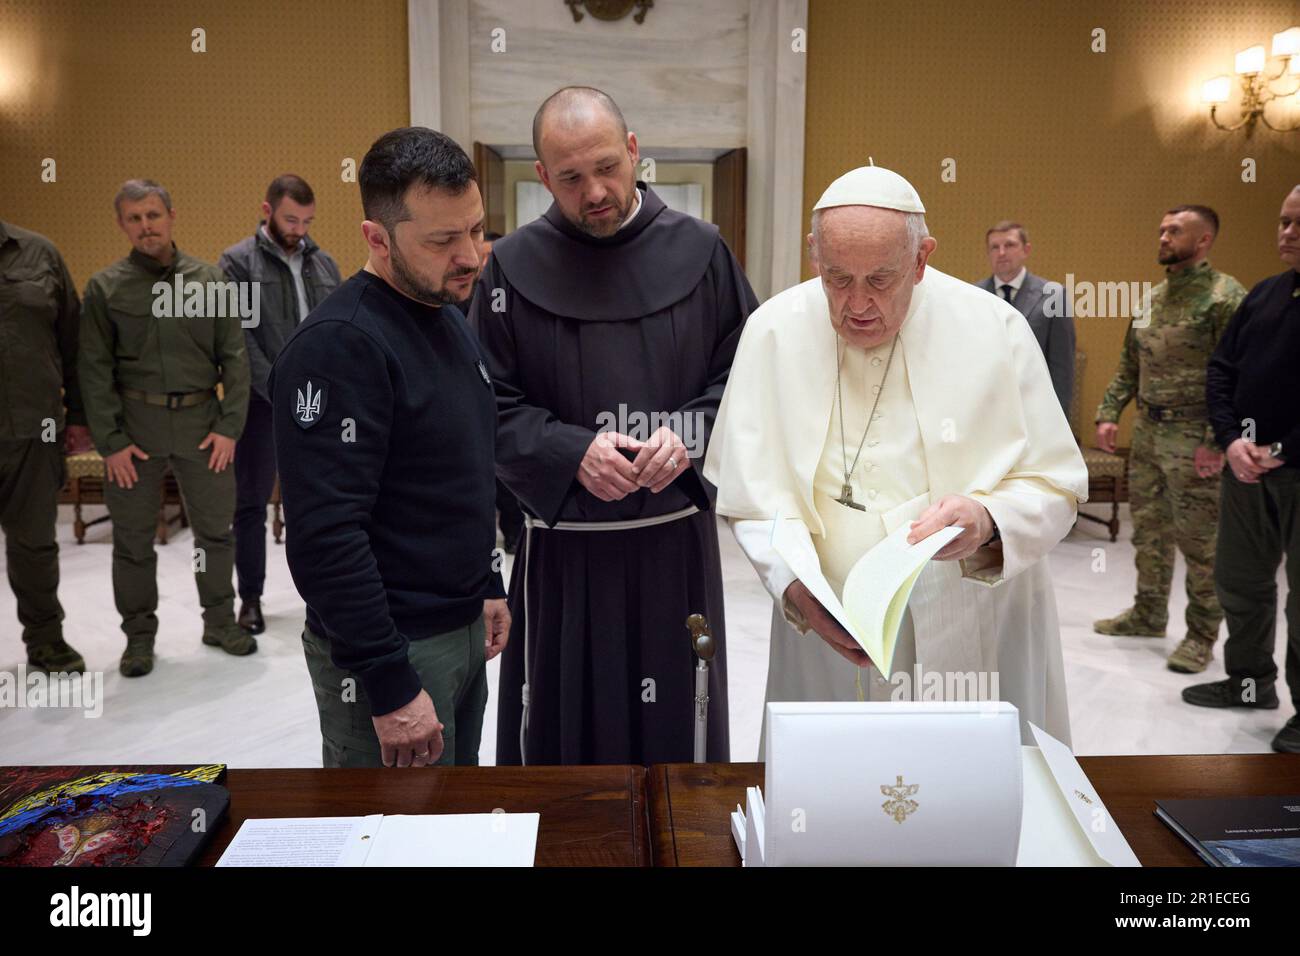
1031,806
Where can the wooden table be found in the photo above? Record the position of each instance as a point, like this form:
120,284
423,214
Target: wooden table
690,804
590,816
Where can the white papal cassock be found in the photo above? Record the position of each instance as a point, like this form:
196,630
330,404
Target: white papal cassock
968,409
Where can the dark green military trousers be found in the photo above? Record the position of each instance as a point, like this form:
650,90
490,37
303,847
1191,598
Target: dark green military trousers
31,474
171,439
453,671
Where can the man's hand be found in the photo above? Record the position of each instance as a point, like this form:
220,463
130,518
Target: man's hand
1208,463
410,736
660,460
973,517
604,471
827,628
120,467
76,439
1107,433
223,450
1243,461
496,624
1264,457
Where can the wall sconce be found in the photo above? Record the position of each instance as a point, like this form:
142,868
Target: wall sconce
1258,83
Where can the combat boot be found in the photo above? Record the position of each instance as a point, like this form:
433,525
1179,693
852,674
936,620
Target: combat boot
1132,623
137,659
232,639
1192,656
55,657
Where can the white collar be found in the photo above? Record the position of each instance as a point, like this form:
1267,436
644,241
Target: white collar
635,209
1015,283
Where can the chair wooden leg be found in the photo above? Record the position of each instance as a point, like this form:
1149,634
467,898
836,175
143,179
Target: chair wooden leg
78,525
277,523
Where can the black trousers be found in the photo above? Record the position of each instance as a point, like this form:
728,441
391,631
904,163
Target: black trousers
254,479
1258,525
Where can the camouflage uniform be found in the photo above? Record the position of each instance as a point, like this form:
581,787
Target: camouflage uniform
1163,366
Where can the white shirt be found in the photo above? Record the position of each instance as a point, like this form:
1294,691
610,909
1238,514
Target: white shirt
294,260
1015,283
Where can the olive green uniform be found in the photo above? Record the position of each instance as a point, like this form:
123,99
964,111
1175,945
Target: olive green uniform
39,313
1163,366
126,350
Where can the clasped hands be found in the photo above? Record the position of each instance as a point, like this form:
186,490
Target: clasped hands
1249,462
967,513
607,474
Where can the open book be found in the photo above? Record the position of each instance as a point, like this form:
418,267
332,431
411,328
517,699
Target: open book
876,589
448,839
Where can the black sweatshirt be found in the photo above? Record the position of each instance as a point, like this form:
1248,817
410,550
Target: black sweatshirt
385,423
1255,371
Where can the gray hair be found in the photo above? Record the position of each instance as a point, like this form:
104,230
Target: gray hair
915,222
133,190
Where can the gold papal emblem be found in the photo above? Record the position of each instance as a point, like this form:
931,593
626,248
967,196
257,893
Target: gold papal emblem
899,804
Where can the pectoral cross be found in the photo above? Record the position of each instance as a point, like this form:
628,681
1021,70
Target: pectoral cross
846,498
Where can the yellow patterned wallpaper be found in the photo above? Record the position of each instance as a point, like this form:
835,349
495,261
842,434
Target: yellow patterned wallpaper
1086,149
112,90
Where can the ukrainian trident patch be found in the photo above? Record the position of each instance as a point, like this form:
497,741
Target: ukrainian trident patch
309,402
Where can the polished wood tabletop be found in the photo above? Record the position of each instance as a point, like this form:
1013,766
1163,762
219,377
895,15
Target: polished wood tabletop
691,804
590,816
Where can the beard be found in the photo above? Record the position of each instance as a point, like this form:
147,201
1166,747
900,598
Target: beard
605,228
412,285
1173,257
286,244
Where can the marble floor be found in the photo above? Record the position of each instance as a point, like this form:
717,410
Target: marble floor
201,705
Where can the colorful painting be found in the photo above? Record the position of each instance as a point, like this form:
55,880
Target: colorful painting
119,816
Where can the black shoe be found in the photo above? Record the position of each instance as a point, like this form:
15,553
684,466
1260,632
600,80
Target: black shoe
1287,740
250,617
55,657
1232,692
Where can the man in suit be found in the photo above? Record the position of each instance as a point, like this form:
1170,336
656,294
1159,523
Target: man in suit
1007,245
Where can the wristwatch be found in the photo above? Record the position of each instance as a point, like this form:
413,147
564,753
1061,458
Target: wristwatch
1275,451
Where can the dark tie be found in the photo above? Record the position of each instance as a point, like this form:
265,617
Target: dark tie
1006,292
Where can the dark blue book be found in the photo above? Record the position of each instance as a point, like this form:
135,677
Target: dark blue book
1242,831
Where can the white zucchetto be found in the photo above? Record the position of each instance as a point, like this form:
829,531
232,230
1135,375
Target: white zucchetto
871,186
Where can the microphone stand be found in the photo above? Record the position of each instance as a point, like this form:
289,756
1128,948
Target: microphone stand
702,644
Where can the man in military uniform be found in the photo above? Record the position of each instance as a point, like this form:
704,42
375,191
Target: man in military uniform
1175,462
39,312
293,276
149,371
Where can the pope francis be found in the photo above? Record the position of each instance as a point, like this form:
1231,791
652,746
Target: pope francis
884,392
